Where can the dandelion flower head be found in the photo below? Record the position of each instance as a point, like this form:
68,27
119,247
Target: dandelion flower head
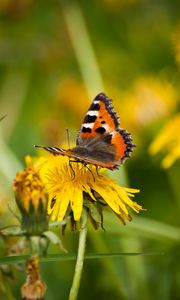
67,184
28,186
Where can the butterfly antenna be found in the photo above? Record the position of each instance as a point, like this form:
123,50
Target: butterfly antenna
67,132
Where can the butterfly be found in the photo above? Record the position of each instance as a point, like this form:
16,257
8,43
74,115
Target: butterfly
100,141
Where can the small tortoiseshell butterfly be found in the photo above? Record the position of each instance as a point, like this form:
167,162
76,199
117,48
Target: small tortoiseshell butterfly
100,141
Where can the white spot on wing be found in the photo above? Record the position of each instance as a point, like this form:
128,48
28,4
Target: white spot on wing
113,133
57,149
88,125
93,113
105,126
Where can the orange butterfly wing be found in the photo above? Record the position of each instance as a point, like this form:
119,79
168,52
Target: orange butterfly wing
101,119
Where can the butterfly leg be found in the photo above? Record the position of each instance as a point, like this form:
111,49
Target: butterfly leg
71,167
97,171
85,165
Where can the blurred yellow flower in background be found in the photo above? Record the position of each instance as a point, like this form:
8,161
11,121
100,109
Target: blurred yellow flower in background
68,186
168,141
72,98
148,100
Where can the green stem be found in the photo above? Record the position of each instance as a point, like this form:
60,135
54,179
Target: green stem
80,258
83,48
34,245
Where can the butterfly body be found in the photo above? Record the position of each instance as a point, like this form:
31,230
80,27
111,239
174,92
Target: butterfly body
100,141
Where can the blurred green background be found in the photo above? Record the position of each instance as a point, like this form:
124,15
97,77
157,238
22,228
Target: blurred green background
55,56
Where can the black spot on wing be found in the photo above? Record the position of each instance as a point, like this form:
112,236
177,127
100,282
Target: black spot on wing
103,122
100,130
90,119
86,129
94,106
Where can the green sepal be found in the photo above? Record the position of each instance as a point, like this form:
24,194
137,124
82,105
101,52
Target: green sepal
54,239
12,231
94,210
34,221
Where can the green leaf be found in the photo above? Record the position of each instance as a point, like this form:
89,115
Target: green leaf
16,259
146,227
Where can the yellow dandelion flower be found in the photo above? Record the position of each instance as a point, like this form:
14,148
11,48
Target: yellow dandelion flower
168,141
28,186
70,185
31,198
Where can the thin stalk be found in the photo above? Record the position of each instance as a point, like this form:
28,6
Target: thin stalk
34,245
83,48
80,258
14,86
